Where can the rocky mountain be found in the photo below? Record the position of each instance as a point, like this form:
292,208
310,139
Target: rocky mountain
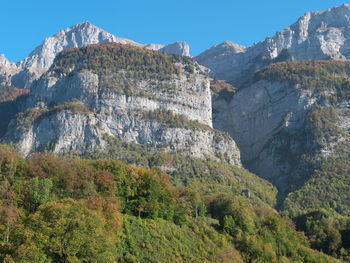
78,35
136,95
290,120
109,100
316,35
23,73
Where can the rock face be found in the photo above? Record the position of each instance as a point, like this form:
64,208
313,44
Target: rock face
258,111
23,73
316,35
7,69
178,48
256,114
153,46
279,121
75,107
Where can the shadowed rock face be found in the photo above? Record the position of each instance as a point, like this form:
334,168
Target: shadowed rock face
284,122
255,115
76,109
316,35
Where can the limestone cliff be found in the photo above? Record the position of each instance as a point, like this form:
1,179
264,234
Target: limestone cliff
122,91
288,118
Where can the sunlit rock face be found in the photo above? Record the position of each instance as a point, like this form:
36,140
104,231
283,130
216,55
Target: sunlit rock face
77,109
316,35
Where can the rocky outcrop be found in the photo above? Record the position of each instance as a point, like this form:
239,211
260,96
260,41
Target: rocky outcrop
84,34
316,35
178,48
153,46
76,109
259,111
7,70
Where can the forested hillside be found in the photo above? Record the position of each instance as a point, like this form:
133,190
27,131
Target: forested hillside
74,210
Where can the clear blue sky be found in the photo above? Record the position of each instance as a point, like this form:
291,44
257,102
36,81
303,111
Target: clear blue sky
25,23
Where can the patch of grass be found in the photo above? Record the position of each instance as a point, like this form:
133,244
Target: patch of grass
174,120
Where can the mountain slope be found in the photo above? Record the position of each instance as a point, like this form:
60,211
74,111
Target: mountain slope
121,91
23,73
64,209
316,35
288,121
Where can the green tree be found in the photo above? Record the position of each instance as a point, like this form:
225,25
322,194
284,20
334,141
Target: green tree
8,211
39,192
65,231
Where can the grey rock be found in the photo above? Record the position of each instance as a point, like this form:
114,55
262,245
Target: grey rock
79,35
316,35
7,70
121,115
255,115
178,48
267,119
152,46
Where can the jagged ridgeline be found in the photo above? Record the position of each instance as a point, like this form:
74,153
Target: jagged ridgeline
319,35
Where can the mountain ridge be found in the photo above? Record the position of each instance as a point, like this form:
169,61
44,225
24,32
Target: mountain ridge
315,35
23,73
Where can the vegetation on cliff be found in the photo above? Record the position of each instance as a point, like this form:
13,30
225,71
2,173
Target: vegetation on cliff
107,58
318,200
329,76
9,93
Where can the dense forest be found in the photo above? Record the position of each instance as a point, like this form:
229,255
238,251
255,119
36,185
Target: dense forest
56,209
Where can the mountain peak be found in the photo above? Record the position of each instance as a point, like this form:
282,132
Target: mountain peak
83,26
83,34
85,23
78,35
314,36
336,17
